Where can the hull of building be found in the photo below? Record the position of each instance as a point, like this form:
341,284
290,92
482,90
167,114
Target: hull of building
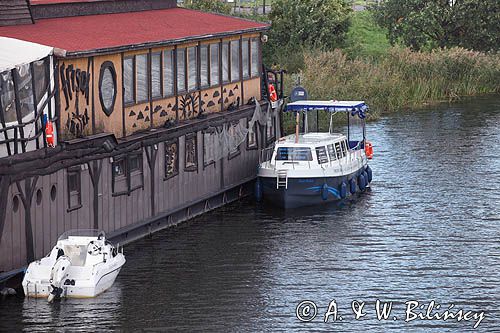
38,207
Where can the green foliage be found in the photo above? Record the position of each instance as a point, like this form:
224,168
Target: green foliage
427,24
401,78
305,23
215,6
365,38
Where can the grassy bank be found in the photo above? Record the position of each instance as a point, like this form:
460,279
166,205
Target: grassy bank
401,78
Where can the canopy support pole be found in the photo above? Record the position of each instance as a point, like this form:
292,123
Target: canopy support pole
297,120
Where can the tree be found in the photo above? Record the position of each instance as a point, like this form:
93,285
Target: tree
306,23
427,24
216,6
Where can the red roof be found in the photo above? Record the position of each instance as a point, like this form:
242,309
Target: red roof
85,34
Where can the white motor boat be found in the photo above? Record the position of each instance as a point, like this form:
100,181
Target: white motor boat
82,264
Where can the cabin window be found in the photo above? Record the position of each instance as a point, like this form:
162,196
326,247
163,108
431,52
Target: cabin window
168,73
331,152
193,68
235,60
234,144
209,143
321,155
252,142
225,62
128,80
22,75
181,71
107,87
294,154
171,158
141,61
344,148
191,153
204,66
8,97
127,174
214,65
41,81
245,58
156,75
74,188
255,71
338,150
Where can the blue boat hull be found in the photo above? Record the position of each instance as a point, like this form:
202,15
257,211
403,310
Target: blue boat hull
308,191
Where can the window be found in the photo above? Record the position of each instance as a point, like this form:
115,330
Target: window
214,65
7,96
245,58
74,188
171,158
181,71
294,154
338,150
225,62
193,68
344,148
234,143
141,62
255,71
331,152
22,75
191,158
107,87
156,75
128,80
204,68
168,73
41,81
321,155
252,142
235,60
209,143
127,173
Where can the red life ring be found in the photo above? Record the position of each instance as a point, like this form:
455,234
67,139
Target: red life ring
49,134
273,96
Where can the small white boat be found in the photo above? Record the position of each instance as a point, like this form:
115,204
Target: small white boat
82,264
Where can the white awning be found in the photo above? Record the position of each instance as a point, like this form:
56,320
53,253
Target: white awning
15,52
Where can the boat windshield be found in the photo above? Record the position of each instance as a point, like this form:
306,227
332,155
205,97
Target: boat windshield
82,233
294,154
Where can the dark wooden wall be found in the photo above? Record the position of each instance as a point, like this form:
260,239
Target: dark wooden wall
117,215
15,12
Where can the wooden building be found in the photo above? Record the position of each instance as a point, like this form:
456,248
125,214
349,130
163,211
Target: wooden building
150,106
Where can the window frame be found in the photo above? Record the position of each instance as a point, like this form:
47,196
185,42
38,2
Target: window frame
185,59
166,145
258,54
246,41
325,151
228,80
148,79
196,68
255,130
127,174
161,96
191,136
132,101
218,73
173,63
74,171
237,152
233,79
208,66
206,163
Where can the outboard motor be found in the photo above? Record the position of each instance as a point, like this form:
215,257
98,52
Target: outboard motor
59,271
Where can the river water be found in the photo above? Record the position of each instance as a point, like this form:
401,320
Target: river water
429,229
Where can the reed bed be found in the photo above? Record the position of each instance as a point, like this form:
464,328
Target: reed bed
401,78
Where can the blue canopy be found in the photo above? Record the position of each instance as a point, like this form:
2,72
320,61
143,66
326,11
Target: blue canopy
355,107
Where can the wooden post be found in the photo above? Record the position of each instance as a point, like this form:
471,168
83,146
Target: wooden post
26,198
95,174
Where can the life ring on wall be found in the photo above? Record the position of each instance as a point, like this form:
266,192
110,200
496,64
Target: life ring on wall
49,134
273,96
369,150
